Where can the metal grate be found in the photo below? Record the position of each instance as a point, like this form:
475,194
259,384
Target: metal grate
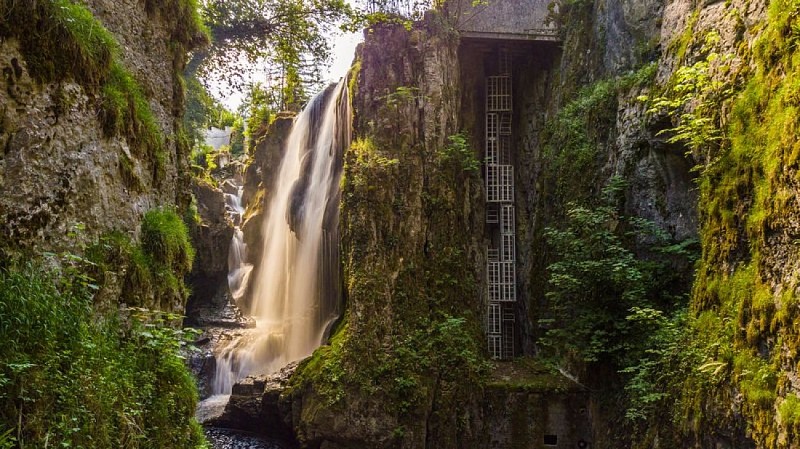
507,340
508,248
495,319
508,285
494,281
505,187
505,124
505,150
501,281
501,265
492,213
498,94
499,183
492,153
495,346
507,219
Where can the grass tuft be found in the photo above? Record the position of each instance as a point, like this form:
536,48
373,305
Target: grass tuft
166,238
59,39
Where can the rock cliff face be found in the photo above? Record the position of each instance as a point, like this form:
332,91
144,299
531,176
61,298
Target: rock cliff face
411,247
60,167
406,368
407,223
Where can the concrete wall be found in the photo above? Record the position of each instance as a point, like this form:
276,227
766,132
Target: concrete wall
506,19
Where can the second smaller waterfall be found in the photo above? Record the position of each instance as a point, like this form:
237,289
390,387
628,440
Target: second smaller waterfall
238,268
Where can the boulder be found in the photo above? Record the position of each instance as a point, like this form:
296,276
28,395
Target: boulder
256,405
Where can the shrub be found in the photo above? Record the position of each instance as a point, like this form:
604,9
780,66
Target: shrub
71,378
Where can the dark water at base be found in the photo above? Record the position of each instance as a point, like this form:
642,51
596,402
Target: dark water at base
232,439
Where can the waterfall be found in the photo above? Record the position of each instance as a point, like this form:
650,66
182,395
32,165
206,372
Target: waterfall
294,292
238,269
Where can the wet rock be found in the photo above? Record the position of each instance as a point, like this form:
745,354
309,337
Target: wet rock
211,239
257,404
203,365
210,409
229,186
212,236
228,316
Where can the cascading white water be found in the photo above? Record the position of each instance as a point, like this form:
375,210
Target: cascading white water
294,289
238,269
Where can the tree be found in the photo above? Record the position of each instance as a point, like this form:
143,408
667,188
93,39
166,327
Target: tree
405,8
290,35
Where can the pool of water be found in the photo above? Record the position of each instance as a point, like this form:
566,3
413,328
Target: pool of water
234,439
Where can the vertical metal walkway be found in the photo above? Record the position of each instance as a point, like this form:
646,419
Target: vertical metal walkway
500,212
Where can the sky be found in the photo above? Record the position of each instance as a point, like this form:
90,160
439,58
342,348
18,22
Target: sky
343,49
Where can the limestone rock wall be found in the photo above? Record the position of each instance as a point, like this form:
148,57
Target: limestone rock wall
58,169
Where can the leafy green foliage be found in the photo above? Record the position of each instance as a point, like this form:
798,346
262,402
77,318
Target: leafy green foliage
445,348
238,134
185,20
69,378
460,153
289,35
574,138
151,272
693,95
743,126
259,106
203,111
599,290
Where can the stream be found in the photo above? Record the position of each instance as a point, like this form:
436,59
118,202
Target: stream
234,439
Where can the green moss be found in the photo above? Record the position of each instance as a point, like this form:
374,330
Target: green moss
354,73
743,315
789,411
324,370
128,174
681,45
529,375
62,40
183,16
126,110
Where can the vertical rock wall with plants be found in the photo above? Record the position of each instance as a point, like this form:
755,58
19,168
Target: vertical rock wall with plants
671,138
90,115
93,243
731,90
404,366
606,224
